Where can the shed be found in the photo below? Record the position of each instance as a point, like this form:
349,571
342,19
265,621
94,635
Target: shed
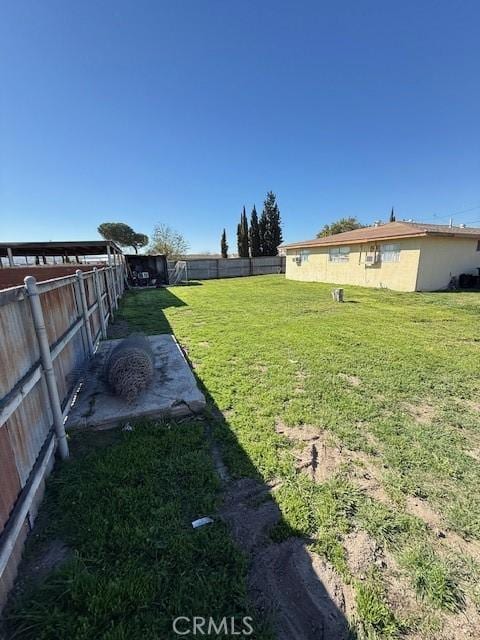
145,271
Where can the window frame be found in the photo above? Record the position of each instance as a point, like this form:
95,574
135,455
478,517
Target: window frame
339,254
390,255
304,255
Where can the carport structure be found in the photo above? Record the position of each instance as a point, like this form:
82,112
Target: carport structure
67,252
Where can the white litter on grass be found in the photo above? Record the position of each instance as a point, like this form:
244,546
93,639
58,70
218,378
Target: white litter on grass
201,522
127,427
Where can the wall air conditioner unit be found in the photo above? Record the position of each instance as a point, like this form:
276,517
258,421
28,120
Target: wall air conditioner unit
298,260
372,259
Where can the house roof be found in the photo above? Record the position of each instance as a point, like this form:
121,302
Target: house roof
389,231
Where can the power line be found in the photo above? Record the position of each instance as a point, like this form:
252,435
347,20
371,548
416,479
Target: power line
455,213
435,217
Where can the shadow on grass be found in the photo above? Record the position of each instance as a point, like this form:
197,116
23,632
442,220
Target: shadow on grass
292,586
190,283
125,511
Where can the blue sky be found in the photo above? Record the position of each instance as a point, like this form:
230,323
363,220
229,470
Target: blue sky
183,111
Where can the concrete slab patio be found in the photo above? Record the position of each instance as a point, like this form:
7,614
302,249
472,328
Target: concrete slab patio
173,392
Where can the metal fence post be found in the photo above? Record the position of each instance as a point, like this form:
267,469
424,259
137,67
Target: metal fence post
47,364
101,310
86,320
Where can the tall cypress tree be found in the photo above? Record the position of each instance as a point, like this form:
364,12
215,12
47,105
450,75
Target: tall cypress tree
262,232
254,235
270,224
392,216
239,240
242,236
224,245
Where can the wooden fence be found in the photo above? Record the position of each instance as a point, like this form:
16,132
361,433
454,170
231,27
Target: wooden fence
48,332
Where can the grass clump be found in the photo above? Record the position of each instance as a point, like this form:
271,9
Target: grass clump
389,527
432,578
377,619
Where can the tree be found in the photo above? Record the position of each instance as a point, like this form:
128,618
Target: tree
254,235
242,236
122,234
139,240
392,216
270,226
168,242
262,232
344,224
224,245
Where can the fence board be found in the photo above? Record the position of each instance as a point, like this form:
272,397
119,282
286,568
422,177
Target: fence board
9,480
19,347
30,417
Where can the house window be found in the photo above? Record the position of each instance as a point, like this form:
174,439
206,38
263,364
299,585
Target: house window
390,252
301,256
339,254
304,253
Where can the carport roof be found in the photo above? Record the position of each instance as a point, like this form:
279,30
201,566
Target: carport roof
75,248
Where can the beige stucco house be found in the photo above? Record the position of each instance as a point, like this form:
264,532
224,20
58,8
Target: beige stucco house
404,256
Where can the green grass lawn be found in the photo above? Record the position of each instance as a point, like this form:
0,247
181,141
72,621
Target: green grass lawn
388,382
123,506
390,376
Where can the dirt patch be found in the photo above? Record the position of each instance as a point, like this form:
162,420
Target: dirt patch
37,567
474,453
423,413
446,538
227,414
319,460
462,626
361,552
352,380
249,518
204,344
306,596
317,455
367,477
300,591
471,404
321,457
262,368
302,433
421,509
118,329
